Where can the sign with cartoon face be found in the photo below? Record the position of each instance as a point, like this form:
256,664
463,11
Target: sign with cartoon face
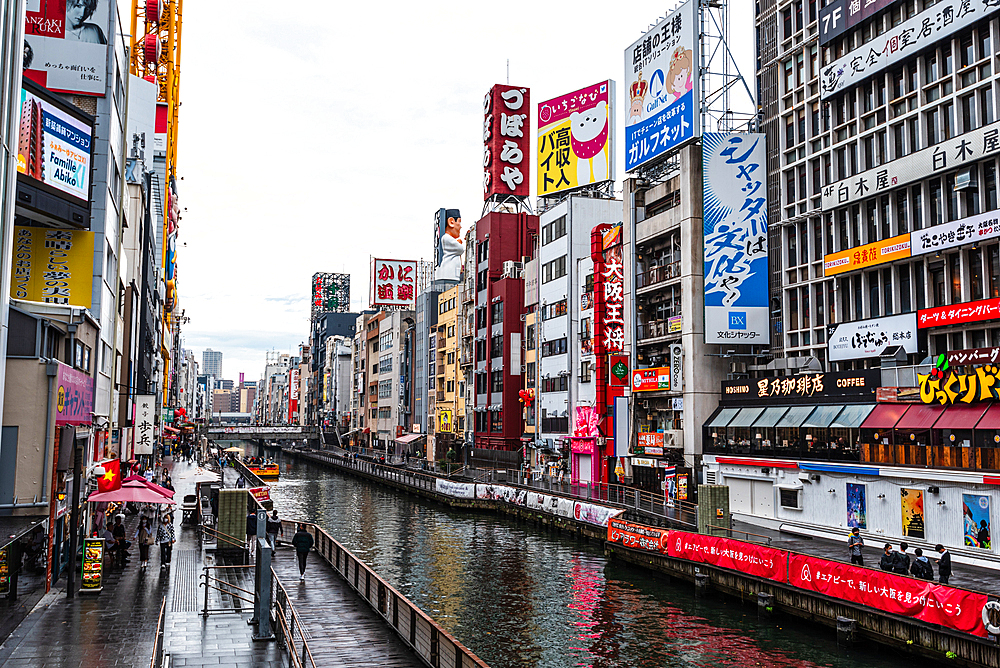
576,139
661,79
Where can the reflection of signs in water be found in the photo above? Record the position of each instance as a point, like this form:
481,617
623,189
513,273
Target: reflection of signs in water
806,574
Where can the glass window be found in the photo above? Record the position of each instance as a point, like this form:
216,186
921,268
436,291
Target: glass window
918,285
937,206
955,263
937,285
917,196
975,274
793,309
990,184
994,272
873,294
902,220
904,288
887,291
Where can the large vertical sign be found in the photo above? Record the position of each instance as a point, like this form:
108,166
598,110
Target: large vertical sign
293,394
661,79
74,396
506,142
145,413
610,320
53,266
735,220
65,44
576,139
393,283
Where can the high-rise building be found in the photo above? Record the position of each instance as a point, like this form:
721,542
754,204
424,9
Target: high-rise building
211,362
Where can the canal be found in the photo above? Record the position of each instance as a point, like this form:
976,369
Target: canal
519,596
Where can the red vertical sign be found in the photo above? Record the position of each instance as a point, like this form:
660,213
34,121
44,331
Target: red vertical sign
507,142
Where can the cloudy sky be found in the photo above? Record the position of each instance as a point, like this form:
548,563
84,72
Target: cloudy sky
314,135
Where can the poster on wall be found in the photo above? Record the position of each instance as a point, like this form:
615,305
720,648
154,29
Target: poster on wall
976,518
54,147
872,338
584,123
53,266
857,506
735,221
912,501
66,45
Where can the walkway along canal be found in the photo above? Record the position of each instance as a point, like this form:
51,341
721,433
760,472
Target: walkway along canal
517,596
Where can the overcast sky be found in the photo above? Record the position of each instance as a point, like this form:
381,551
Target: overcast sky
314,135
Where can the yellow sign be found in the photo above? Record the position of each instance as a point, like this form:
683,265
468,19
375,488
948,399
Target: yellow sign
444,420
868,255
575,133
52,266
981,385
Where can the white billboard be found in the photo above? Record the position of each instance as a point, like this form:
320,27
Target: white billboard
66,45
871,338
951,235
145,415
735,221
899,43
661,87
393,283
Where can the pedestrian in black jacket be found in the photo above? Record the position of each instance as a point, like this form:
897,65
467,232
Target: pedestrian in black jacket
888,560
921,567
902,566
944,563
303,542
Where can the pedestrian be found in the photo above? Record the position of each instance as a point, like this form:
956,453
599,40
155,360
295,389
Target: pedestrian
921,567
165,537
855,543
168,484
144,536
303,542
241,483
251,529
121,544
944,563
273,529
888,560
902,565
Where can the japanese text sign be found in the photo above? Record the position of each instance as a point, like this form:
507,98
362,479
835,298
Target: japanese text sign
649,443
871,338
393,283
974,356
576,139
637,536
868,255
54,147
756,560
951,235
261,494
804,388
52,266
839,15
661,73
945,156
507,142
735,220
610,318
66,51
74,396
145,414
652,379
899,42
330,293
957,314
983,384
896,594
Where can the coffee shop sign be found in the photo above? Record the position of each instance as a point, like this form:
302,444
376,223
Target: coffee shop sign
983,384
800,386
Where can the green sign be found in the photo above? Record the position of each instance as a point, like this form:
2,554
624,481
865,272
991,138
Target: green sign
620,370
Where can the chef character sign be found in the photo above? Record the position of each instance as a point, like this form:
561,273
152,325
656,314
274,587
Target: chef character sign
450,247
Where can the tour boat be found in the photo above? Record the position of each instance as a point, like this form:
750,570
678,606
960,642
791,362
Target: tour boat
265,470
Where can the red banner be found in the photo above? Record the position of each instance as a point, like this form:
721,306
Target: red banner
262,494
957,314
756,560
637,536
924,600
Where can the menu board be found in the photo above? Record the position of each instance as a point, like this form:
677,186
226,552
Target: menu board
93,564
4,572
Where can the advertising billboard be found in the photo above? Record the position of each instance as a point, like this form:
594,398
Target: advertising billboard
54,147
53,266
661,79
609,316
66,45
506,142
145,424
735,220
393,283
899,42
448,245
981,227
74,396
839,15
869,255
871,338
576,135
652,379
959,314
331,293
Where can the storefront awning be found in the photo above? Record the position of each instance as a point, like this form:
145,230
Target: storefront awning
770,417
991,420
885,416
960,417
920,417
852,416
746,417
822,416
723,417
795,416
409,438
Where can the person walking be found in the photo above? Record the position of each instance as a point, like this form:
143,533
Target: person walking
944,564
165,537
121,543
251,530
888,560
921,567
902,564
144,536
273,529
855,543
303,542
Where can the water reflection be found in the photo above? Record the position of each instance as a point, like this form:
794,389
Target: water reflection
520,597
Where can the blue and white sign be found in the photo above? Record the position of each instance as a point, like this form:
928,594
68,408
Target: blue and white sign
735,220
661,72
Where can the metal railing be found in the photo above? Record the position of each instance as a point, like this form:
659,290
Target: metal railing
225,588
765,540
220,537
156,660
289,629
658,274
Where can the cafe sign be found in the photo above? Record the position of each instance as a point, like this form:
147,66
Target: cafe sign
805,388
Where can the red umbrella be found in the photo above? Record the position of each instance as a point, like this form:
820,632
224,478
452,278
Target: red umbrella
152,485
131,492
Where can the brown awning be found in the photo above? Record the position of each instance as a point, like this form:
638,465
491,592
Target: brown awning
885,416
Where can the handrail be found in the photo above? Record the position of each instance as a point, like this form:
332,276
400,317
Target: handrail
232,540
281,605
207,584
730,531
157,659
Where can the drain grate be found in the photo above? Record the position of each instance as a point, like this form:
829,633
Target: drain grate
185,584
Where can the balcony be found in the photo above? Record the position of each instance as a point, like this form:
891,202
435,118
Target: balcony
650,332
440,395
656,275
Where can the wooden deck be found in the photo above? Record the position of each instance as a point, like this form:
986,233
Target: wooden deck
341,628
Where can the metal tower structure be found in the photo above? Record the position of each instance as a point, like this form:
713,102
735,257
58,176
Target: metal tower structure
720,72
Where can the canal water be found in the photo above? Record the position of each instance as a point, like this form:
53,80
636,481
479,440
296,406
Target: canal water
519,596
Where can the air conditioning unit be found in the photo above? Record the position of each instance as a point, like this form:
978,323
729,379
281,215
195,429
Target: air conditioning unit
512,269
673,438
738,367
